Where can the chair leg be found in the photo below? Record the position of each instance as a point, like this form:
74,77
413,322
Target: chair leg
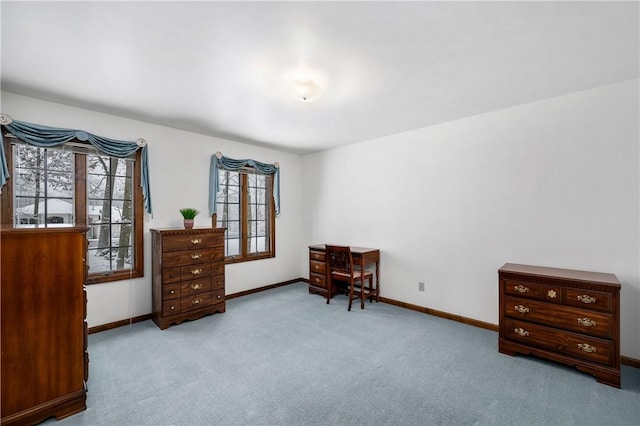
350,295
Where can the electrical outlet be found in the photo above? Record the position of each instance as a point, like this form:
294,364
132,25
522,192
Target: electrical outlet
420,286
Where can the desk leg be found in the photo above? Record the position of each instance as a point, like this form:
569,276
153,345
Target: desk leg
377,280
362,284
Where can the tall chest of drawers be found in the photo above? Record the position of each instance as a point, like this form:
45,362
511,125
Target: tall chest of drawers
43,309
188,274
568,316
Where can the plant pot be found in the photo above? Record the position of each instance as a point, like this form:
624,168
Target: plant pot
188,223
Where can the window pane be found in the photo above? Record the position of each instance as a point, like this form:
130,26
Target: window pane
43,186
232,247
59,160
60,184
110,212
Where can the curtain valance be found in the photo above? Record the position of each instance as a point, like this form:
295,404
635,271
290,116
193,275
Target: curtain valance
220,161
45,136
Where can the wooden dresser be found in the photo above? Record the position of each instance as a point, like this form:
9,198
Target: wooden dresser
188,274
44,332
568,316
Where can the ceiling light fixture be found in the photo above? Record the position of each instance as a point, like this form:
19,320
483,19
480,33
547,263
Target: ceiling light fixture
306,90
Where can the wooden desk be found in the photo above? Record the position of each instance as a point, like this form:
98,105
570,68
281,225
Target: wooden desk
318,280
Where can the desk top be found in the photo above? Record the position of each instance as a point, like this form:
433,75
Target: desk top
357,250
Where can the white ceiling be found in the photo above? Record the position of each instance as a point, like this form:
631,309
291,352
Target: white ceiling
222,68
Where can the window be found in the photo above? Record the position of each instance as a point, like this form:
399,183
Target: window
245,207
72,185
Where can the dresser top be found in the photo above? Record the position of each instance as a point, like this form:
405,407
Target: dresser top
569,274
186,231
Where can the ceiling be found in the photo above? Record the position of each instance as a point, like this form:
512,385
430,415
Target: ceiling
225,68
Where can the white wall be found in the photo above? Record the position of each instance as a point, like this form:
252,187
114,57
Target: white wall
553,183
179,173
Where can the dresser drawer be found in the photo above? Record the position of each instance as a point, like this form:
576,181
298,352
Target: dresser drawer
316,267
188,288
187,257
568,318
192,272
317,280
170,307
217,296
191,241
171,291
171,275
217,282
195,301
563,342
523,289
317,255
588,299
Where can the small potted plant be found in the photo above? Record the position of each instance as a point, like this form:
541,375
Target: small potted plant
189,215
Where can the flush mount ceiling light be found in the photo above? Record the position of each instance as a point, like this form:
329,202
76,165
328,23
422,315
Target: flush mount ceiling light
306,90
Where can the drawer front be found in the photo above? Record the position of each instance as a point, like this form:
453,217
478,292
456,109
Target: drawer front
171,275
316,255
572,319
218,282
317,280
316,267
523,289
572,344
217,296
217,268
193,272
188,288
589,299
171,291
195,301
191,241
171,307
188,257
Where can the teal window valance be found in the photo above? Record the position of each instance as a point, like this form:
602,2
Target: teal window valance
45,136
220,161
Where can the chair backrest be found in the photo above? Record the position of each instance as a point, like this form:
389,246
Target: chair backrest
339,258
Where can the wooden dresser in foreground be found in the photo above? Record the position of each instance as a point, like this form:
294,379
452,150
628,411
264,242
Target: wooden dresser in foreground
188,274
44,332
568,316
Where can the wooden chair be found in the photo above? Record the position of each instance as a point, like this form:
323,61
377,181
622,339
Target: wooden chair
341,268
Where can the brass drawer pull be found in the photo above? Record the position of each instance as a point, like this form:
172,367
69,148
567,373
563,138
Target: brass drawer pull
196,271
551,294
521,289
587,322
172,307
587,347
196,256
521,332
196,286
317,279
172,292
219,296
316,267
521,308
195,241
195,301
585,298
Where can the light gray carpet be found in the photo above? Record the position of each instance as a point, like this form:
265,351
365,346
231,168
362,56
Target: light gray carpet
284,357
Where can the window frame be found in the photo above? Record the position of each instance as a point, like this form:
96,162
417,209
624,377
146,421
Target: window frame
244,256
80,210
